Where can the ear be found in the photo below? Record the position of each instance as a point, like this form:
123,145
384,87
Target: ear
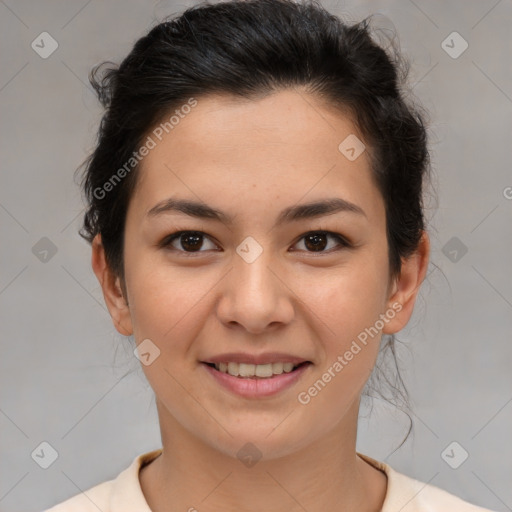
112,290
406,286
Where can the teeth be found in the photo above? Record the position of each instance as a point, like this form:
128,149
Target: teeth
263,370
254,370
287,367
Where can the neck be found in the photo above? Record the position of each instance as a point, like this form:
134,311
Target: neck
326,476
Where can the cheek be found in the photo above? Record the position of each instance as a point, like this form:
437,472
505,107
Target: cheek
163,299
165,307
348,310
349,303
347,299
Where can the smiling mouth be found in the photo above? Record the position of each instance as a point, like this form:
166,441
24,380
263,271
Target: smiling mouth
256,371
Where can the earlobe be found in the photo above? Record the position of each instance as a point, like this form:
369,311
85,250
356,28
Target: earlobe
112,290
407,285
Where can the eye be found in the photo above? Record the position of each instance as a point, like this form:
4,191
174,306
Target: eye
190,241
317,241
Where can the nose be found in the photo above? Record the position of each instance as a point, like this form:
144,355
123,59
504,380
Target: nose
254,296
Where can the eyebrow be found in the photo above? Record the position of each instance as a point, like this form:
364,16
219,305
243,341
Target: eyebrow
292,213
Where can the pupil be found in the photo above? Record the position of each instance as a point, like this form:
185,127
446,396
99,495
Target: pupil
318,241
192,241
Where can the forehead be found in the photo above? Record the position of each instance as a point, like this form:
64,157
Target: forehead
232,152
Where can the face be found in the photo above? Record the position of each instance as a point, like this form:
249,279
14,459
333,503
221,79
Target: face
255,276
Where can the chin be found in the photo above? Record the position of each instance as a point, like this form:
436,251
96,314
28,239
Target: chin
251,443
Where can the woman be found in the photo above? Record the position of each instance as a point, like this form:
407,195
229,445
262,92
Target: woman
255,214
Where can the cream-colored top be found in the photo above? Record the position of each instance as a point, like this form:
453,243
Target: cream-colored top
124,493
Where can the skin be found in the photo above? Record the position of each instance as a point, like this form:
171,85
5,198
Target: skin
251,159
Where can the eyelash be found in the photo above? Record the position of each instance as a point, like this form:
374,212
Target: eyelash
167,241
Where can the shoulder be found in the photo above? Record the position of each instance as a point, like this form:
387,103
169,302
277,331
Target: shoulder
95,498
121,494
409,495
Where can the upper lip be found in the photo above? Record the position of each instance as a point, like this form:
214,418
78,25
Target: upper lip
265,358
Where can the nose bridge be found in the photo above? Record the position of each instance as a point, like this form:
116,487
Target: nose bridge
254,278
253,296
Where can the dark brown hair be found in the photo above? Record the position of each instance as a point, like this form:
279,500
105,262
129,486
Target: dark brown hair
251,48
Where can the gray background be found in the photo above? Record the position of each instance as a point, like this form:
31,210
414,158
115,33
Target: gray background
69,379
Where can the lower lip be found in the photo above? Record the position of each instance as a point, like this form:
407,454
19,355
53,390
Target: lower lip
256,387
